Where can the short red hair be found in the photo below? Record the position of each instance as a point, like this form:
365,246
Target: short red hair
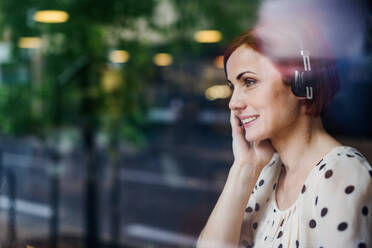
324,75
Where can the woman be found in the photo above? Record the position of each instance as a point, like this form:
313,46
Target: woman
291,183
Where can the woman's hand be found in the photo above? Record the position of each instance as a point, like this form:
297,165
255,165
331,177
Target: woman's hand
224,225
255,154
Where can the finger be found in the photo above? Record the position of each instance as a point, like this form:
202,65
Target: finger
238,131
236,124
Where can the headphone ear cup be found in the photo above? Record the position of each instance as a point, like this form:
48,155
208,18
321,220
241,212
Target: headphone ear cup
296,83
300,82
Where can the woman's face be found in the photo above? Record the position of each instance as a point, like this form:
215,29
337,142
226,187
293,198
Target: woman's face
260,92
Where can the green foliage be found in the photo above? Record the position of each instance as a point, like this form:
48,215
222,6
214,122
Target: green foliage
95,27
20,110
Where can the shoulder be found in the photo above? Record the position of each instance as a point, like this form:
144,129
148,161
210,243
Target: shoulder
341,205
348,161
345,168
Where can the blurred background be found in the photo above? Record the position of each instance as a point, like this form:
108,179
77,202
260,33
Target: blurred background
114,120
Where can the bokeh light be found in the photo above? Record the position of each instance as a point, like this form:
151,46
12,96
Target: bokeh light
208,36
217,92
218,62
30,42
119,56
163,59
51,16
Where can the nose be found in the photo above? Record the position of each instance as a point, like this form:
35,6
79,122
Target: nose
236,101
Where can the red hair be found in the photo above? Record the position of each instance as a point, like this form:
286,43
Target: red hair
324,75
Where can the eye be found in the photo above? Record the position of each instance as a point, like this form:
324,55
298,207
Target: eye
249,81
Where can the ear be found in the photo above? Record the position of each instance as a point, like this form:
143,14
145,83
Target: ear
302,104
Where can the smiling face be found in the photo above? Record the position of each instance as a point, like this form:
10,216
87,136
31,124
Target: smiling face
258,90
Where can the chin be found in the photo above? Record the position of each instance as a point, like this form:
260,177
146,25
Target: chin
252,138
255,137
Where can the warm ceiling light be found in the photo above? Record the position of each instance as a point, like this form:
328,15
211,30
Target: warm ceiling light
163,59
119,56
30,42
51,16
208,36
217,92
218,62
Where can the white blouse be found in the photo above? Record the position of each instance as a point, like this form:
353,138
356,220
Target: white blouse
334,208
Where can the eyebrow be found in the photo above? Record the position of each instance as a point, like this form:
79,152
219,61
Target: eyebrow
241,74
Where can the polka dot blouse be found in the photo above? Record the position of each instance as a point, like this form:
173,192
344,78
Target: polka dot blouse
334,208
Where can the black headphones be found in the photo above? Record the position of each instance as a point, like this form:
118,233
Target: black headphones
302,83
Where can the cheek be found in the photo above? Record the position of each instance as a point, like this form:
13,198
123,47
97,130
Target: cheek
280,107
270,98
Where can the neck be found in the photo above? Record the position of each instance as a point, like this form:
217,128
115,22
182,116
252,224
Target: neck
302,144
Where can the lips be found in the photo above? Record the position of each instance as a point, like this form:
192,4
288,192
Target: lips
248,120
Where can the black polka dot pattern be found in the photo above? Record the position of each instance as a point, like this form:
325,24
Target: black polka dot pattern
362,245
358,154
255,225
342,226
328,174
257,207
349,189
312,224
334,204
319,162
303,189
365,211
